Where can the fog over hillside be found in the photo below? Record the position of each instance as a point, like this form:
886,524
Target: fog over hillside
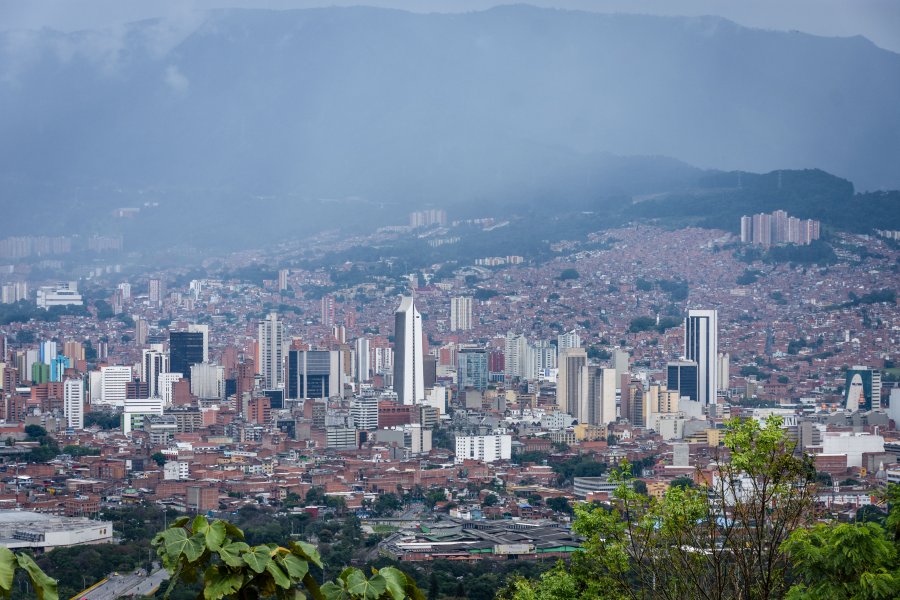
392,106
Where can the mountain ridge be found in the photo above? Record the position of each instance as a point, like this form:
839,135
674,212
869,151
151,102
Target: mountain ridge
402,106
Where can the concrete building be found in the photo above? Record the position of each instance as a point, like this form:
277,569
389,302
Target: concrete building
270,361
73,403
701,345
484,448
460,313
315,374
409,378
64,294
364,410
113,383
208,381
38,531
602,395
572,383
154,361
472,370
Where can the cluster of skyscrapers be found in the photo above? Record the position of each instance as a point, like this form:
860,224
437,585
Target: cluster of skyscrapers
778,228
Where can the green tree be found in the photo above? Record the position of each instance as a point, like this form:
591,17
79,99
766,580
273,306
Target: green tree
717,542
35,432
159,458
490,500
215,555
559,504
849,560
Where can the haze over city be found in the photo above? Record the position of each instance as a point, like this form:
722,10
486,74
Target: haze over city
449,299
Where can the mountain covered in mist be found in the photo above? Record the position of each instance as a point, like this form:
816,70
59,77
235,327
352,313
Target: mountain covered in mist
411,108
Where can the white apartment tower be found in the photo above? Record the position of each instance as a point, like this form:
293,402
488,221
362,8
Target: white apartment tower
73,403
153,362
460,313
409,380
113,385
364,410
271,351
701,345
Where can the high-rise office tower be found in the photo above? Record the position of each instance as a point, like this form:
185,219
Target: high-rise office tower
185,349
681,377
701,345
601,395
73,403
862,387
362,360
572,383
409,379
314,374
204,329
283,279
271,351
472,370
460,313
153,362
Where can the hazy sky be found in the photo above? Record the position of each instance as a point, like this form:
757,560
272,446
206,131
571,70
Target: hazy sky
878,20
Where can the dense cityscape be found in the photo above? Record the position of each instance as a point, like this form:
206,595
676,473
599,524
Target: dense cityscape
458,412
445,300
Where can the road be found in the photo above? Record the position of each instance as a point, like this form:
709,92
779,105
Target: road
129,584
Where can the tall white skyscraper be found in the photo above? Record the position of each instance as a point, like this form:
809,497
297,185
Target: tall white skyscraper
460,313
701,345
73,403
153,362
362,360
271,351
409,380
602,395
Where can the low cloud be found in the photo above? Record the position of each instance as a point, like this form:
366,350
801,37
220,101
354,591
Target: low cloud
176,80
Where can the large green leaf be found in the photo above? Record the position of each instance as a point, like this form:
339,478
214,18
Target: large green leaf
215,535
44,585
281,578
334,591
221,582
395,582
368,589
176,542
8,564
200,524
295,567
257,558
231,554
308,552
180,522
